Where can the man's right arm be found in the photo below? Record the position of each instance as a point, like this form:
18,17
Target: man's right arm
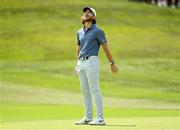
77,51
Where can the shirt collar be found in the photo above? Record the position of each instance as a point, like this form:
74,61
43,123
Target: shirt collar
91,27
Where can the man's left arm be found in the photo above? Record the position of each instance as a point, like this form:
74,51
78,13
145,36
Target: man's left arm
106,49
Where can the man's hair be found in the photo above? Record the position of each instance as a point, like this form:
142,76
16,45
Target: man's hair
94,21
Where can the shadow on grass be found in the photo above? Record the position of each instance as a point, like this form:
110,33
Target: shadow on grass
116,125
122,125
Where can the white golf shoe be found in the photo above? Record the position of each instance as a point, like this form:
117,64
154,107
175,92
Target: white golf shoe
97,121
83,121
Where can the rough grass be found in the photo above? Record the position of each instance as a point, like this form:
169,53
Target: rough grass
137,79
37,49
144,41
36,30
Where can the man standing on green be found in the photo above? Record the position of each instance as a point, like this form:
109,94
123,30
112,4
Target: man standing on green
89,40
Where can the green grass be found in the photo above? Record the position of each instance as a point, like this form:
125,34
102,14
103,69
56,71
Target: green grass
25,112
37,60
112,123
47,30
133,81
19,116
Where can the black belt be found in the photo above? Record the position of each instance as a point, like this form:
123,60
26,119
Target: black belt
83,58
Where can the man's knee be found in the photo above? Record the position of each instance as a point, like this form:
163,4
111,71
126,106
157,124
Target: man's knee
86,93
95,90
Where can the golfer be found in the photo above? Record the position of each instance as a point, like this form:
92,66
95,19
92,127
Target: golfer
89,39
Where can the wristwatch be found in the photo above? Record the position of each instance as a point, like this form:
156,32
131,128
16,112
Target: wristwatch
112,62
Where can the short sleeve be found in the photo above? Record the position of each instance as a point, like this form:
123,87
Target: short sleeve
101,37
78,42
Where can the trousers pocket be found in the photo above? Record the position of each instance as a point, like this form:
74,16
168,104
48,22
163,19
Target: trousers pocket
77,69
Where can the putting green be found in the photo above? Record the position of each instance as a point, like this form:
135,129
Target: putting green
142,123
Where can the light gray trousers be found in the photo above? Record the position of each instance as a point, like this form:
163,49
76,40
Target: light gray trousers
88,71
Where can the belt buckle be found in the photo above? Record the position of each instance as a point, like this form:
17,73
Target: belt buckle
83,58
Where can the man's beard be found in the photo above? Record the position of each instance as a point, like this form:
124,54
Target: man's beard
86,19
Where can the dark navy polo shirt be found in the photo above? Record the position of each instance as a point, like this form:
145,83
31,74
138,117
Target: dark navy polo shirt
90,40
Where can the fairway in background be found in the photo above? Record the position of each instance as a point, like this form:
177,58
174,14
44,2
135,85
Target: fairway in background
40,88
